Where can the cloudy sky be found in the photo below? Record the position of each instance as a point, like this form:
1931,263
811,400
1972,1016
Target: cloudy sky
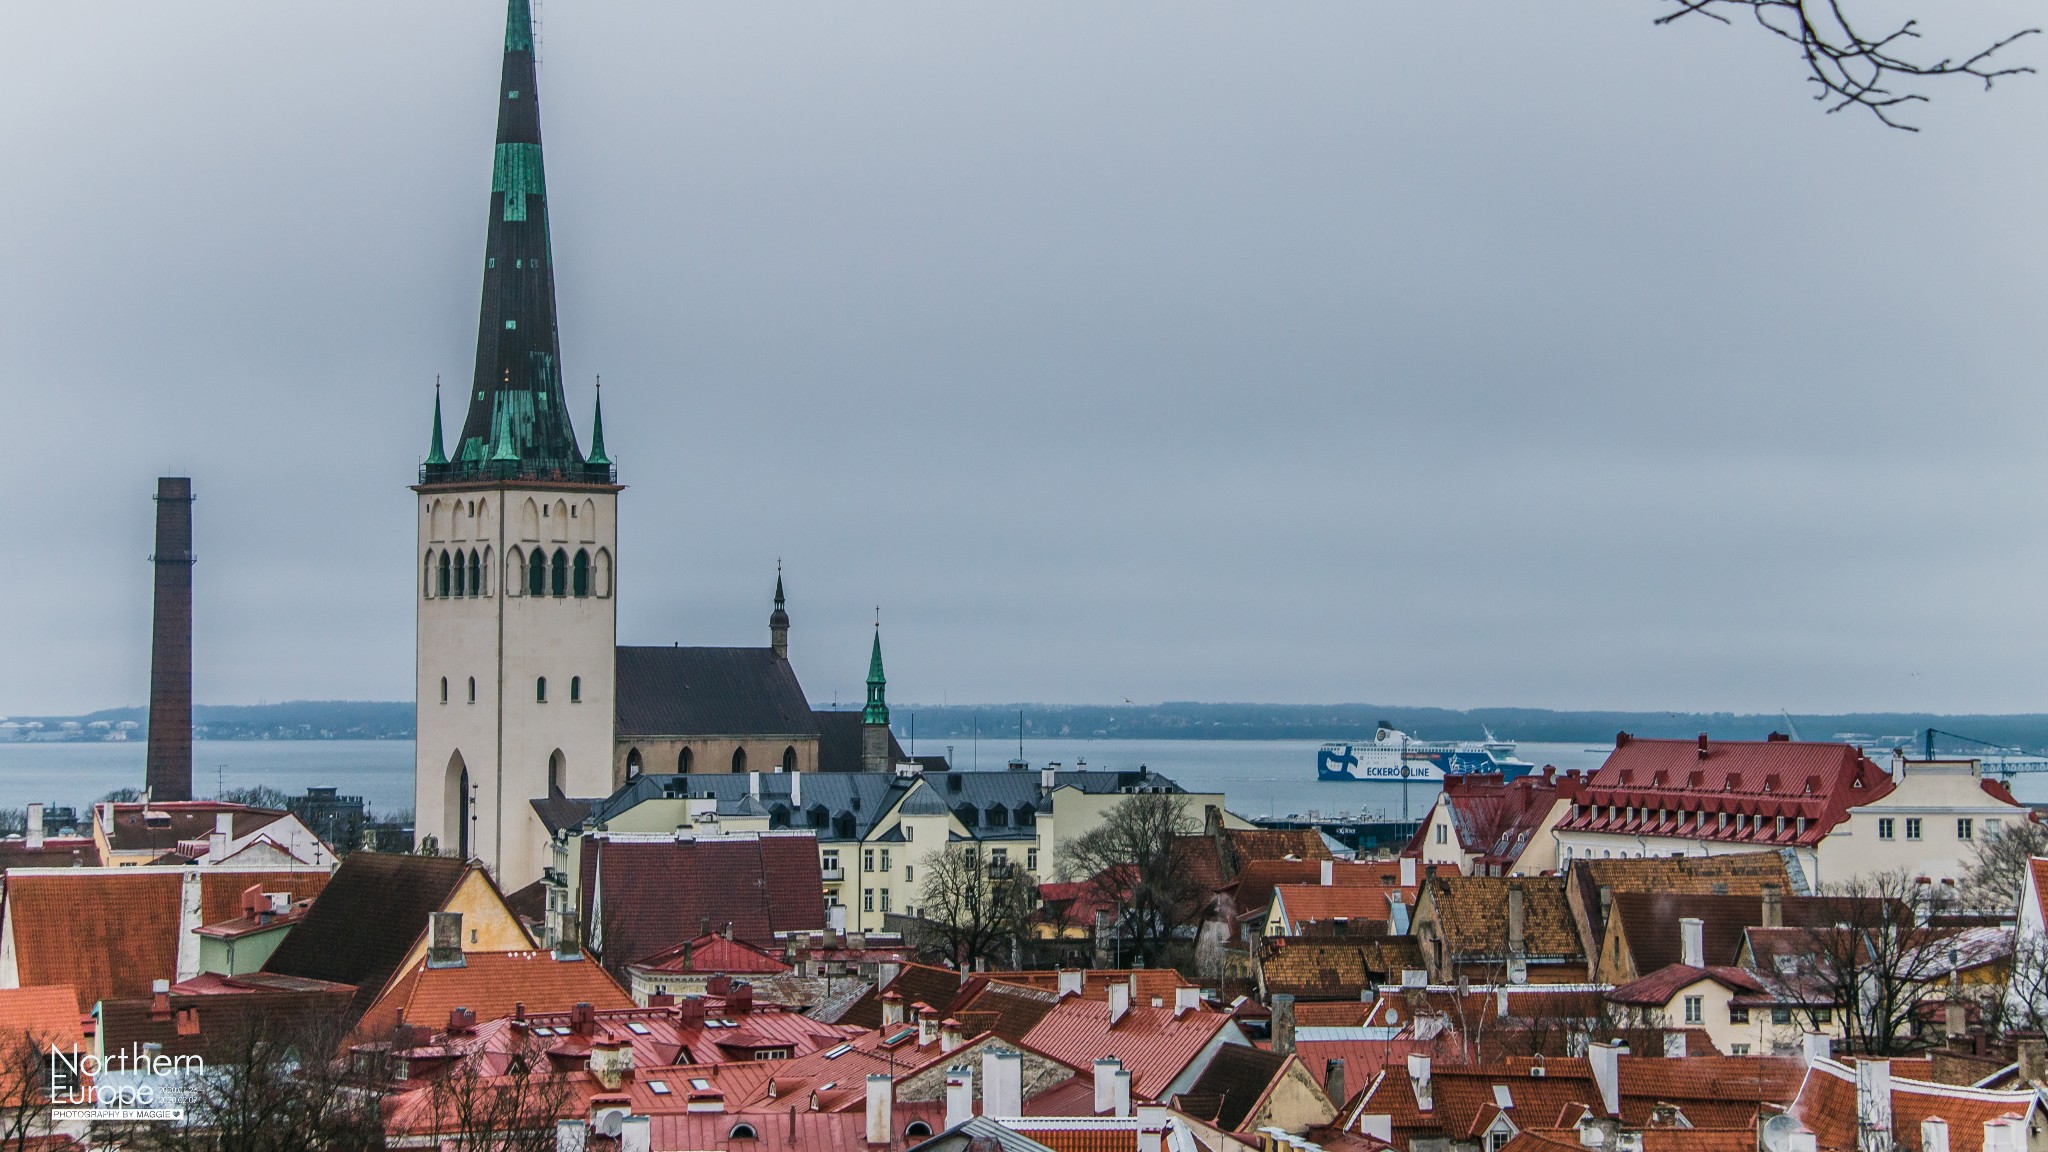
1459,353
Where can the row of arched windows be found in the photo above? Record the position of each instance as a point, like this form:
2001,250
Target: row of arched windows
457,574
559,521
686,759
542,573
459,519
540,690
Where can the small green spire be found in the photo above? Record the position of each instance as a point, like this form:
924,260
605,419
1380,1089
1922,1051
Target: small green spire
877,711
503,451
518,26
597,455
435,456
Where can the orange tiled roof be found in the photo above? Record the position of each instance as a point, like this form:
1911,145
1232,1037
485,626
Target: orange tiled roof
1472,914
714,953
48,1012
1354,902
1827,1106
1154,1043
492,985
1095,982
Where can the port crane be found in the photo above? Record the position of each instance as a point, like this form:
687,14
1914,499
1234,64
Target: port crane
2001,759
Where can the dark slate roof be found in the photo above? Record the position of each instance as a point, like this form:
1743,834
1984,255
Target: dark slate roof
709,692
364,922
1237,1076
849,801
839,742
653,893
558,812
938,987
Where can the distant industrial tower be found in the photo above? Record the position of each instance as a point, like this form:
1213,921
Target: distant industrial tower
170,656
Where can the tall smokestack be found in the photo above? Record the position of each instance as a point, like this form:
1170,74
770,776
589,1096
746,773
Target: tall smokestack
170,656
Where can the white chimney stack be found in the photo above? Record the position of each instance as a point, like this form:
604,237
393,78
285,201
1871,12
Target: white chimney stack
1105,1083
1418,1079
1934,1135
960,1096
1186,999
1002,1084
1803,1142
1119,1002
34,831
881,1098
1815,1047
1408,872
1874,1106
571,1135
796,791
636,1134
1120,1093
1070,981
1152,1128
1692,942
1329,876
1606,1063
754,785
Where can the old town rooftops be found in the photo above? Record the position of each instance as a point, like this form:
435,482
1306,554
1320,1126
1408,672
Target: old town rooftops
1686,787
1828,1106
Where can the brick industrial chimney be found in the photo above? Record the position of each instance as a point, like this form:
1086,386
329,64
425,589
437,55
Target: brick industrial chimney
169,774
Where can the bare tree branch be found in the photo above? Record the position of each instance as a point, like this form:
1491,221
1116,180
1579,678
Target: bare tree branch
1853,67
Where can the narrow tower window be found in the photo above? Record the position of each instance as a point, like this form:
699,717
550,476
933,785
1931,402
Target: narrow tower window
561,573
540,690
441,583
472,689
632,764
555,772
683,760
582,574
461,571
537,574
739,759
575,689
476,573
427,580
789,759
444,689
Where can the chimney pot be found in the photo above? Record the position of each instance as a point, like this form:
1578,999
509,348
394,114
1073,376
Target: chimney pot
444,942
1692,942
1283,1023
1333,1081
1119,1002
32,835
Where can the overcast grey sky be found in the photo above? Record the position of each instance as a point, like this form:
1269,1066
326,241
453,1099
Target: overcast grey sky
1459,353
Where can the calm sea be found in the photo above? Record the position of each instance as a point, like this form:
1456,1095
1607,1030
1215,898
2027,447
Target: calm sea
1261,777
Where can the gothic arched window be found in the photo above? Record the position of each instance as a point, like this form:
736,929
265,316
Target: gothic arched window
476,573
444,689
683,760
537,574
472,689
555,772
789,759
575,689
427,583
461,577
561,573
582,574
632,763
739,759
540,690
441,579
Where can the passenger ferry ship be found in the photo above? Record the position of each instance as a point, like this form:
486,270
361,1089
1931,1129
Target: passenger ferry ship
1393,755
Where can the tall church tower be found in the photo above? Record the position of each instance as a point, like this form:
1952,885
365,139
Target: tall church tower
518,541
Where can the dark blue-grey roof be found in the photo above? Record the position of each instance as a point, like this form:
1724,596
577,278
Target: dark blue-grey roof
1007,803
838,805
709,692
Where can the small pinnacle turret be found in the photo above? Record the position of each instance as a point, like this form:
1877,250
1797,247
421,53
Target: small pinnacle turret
435,457
597,455
877,711
778,620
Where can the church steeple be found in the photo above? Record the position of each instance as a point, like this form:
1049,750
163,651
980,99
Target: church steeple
778,620
435,457
877,711
597,455
517,425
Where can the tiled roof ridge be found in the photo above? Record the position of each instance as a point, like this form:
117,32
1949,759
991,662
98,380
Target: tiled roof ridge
1844,1072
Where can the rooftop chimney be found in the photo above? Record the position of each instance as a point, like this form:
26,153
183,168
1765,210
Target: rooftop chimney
960,1096
1070,981
1119,1002
949,1035
1283,1023
1329,873
1186,999
1419,1081
168,775
1692,942
1120,1093
1874,1106
159,999
1105,1089
881,1100
1333,1081
572,1135
34,831
1408,872
1815,1047
444,942
1955,1019
1517,919
636,1134
1934,1135
796,789
1606,1063
892,1009
610,1060
1152,1123
927,1024
1002,1083
1774,907
1674,1045
1703,745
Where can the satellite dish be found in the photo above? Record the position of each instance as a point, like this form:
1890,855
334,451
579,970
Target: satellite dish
610,1121
1776,1133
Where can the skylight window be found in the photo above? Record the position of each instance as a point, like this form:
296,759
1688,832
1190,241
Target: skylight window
658,1087
637,1028
1502,1096
700,1084
836,1053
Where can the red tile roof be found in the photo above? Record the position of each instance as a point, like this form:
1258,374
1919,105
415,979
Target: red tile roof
1681,788
48,1012
1494,819
56,852
491,985
714,953
1826,1105
170,823
1095,982
1154,1043
1657,989
1650,921
109,932
656,892
1314,904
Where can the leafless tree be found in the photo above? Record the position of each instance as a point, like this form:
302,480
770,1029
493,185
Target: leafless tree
24,1080
1877,961
511,1112
1852,65
1997,867
971,907
272,1086
1129,864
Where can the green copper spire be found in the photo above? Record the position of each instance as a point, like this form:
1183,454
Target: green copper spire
435,457
597,455
517,424
877,711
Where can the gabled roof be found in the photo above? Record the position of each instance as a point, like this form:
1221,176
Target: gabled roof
1002,1008
643,895
1493,817
1650,920
1472,914
166,824
709,692
371,914
1354,903
206,1015
1316,969
1826,1105
491,984
839,741
56,852
1095,982
1155,1044
916,982
48,1012
1657,989
110,932
714,953
1238,1078
1650,787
